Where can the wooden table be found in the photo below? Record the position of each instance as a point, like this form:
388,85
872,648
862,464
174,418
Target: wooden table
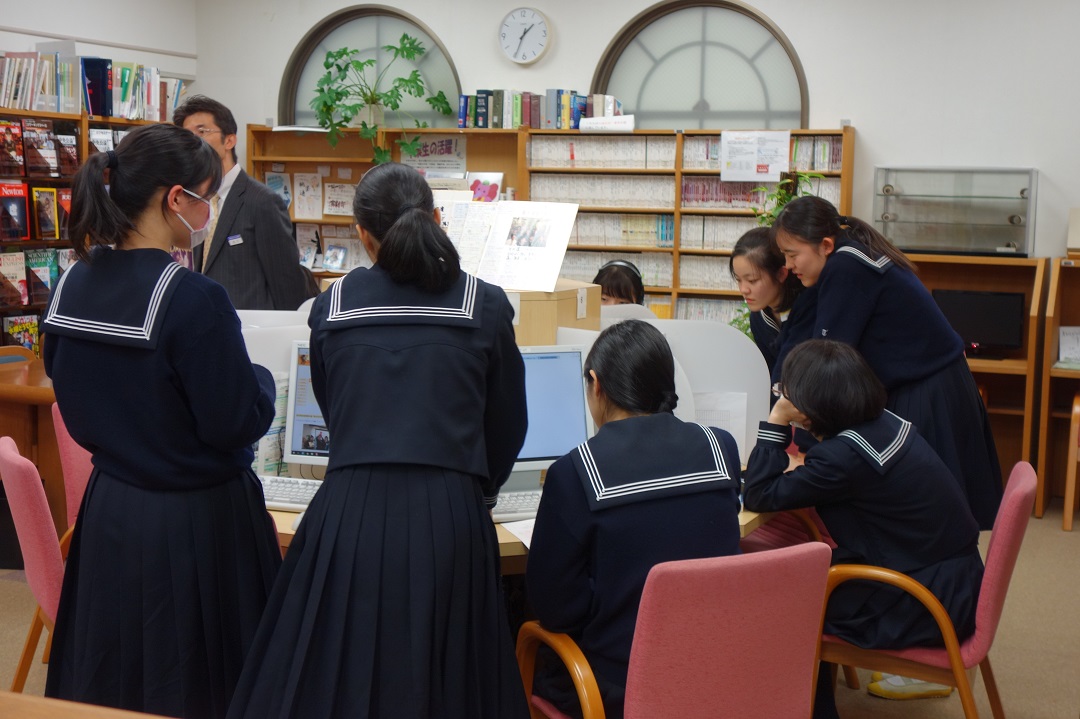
511,550
25,706
26,398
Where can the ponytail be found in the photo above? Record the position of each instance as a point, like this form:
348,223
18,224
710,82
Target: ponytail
147,160
812,219
95,218
394,203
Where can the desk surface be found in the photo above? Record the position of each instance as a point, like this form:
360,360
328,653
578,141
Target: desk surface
25,706
25,382
511,549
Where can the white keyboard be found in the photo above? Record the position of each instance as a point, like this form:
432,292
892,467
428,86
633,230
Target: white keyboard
288,493
513,506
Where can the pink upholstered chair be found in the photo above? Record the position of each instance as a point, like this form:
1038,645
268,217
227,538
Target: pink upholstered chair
40,547
76,463
739,632
950,664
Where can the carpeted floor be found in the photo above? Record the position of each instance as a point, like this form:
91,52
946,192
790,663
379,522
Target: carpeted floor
1036,654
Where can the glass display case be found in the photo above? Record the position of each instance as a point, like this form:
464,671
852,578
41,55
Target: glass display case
957,210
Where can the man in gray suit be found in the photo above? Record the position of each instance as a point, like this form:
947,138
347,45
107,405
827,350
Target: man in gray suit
251,251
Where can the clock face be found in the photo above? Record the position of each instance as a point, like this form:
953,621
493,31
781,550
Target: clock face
524,35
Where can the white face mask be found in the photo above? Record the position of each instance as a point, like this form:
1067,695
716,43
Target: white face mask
198,236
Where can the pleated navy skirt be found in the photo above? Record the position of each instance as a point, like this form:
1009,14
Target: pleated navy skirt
388,605
949,414
162,596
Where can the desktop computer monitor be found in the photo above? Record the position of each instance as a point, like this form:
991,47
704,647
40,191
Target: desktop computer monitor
307,439
559,417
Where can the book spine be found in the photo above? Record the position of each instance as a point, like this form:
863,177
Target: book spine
551,109
463,111
498,98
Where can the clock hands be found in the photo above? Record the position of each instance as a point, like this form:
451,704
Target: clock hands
522,38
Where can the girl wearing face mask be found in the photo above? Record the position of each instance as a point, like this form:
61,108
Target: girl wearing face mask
869,297
174,554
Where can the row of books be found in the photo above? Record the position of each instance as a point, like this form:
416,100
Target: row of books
698,232
626,230
656,268
555,109
30,147
705,273
634,152
34,212
58,80
697,308
27,276
604,190
821,153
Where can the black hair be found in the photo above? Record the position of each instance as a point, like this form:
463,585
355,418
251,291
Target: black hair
812,219
633,362
831,383
223,116
148,159
394,203
759,248
621,279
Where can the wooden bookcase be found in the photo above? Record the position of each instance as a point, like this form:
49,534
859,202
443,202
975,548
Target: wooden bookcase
1011,383
69,124
597,169
1059,384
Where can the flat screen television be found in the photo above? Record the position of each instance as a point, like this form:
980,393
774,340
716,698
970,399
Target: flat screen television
989,323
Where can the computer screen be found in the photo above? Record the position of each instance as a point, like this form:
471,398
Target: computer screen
559,417
307,439
987,322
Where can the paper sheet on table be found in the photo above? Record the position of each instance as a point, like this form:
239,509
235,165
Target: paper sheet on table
726,410
522,529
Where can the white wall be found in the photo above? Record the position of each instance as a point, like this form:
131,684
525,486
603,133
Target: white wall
924,82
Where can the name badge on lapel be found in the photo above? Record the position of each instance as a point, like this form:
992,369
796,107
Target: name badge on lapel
234,240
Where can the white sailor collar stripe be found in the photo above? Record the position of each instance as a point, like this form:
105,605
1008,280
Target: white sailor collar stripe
886,453
880,263
468,303
770,320
715,474
54,317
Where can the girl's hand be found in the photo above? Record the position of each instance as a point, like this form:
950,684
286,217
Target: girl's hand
784,412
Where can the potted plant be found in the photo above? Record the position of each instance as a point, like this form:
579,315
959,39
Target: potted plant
790,186
353,89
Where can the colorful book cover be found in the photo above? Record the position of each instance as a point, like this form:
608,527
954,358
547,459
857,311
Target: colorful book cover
42,269
22,330
14,211
39,148
65,258
63,210
11,149
281,185
45,212
485,186
97,74
101,138
334,259
67,152
13,280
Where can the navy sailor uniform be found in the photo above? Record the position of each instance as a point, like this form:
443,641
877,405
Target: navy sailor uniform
388,603
881,490
644,490
173,556
886,313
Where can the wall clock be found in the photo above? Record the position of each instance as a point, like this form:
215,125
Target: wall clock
524,35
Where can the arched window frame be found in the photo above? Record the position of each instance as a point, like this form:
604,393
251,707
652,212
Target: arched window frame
630,32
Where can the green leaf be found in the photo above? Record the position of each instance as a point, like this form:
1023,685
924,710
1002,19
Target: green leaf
382,155
409,147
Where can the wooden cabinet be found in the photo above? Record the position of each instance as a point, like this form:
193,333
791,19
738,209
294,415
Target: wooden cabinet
1010,384
1059,383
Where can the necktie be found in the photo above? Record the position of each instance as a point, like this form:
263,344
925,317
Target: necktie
215,202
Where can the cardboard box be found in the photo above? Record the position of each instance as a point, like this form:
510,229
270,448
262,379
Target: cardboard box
537,315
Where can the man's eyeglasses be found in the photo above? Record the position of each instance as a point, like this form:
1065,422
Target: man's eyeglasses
204,131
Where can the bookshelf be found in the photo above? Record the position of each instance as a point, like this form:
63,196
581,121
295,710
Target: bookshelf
1011,382
78,126
643,196
1059,384
655,198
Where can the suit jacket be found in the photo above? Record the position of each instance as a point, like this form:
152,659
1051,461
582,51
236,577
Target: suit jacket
253,253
